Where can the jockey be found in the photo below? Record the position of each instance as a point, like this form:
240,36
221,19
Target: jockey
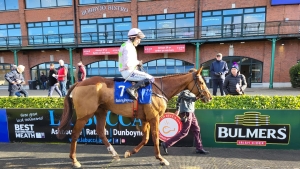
128,63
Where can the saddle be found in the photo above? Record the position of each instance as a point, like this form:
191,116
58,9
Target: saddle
120,79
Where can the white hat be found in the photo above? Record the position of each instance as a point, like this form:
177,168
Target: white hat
135,32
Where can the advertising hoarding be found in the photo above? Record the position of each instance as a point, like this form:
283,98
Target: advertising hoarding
250,128
284,2
164,49
3,126
100,51
40,125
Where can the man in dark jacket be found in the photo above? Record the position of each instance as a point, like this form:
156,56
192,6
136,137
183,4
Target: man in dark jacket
43,79
16,80
235,83
218,69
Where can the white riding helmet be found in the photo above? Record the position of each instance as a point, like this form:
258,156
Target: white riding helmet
135,32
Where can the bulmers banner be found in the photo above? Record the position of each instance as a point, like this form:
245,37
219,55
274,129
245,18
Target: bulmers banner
276,129
40,125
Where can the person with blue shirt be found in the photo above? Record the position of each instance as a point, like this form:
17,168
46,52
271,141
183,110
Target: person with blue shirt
218,69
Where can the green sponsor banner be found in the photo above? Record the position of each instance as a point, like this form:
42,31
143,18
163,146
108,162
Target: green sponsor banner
273,129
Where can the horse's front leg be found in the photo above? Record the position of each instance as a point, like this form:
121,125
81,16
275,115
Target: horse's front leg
154,124
100,128
145,131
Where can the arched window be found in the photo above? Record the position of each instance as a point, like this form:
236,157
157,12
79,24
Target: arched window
37,70
105,68
160,67
4,68
251,68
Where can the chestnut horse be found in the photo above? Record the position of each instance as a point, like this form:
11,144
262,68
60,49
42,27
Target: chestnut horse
95,96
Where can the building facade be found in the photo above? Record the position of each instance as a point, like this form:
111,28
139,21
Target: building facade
260,35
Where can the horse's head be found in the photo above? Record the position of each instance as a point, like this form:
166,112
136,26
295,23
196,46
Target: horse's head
198,86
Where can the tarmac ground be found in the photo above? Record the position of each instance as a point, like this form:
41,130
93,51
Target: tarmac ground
46,156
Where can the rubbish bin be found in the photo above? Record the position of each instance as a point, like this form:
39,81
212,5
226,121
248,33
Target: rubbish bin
32,84
208,82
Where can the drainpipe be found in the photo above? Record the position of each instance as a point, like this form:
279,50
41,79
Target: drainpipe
198,19
71,66
16,57
197,60
272,62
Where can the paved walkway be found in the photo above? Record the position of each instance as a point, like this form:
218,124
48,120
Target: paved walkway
46,156
249,91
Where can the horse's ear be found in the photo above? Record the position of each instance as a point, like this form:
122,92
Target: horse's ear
199,70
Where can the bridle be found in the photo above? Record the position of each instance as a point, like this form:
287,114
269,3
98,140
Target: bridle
200,91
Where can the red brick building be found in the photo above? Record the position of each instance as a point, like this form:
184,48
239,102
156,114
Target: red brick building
37,32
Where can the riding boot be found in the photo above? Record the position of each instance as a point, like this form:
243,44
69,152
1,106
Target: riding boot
133,89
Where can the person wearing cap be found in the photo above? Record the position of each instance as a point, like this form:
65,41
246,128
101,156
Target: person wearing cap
185,108
128,63
16,80
218,69
13,67
235,83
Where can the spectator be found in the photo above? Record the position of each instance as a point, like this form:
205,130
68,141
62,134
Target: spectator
185,108
218,69
43,79
62,77
81,72
16,80
13,67
53,82
235,83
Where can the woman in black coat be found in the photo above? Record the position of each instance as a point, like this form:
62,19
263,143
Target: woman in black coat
53,82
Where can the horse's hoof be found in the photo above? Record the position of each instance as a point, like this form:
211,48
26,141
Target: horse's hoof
127,154
164,162
116,158
76,165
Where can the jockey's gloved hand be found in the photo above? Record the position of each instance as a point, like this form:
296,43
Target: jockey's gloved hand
216,73
140,63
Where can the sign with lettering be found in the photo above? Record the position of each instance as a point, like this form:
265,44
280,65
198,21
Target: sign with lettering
40,125
285,2
100,51
103,8
164,49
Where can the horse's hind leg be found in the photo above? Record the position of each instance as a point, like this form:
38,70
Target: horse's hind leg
154,123
145,131
75,134
101,122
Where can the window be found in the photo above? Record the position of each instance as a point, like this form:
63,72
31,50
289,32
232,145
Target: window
100,1
47,3
10,34
162,67
233,22
180,25
107,30
9,5
248,67
51,32
107,68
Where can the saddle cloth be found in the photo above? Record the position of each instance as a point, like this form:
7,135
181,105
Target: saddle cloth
121,96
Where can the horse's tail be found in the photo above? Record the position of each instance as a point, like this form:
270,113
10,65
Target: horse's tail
65,121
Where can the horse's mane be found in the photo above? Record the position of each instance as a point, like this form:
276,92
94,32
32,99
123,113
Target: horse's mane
178,74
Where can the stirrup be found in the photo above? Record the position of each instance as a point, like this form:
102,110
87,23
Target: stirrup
132,96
